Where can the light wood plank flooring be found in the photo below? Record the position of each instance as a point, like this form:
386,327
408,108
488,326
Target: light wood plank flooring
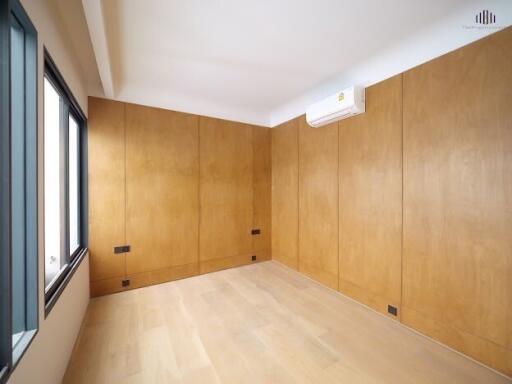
261,323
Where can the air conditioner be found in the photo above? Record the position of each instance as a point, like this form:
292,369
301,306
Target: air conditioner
346,103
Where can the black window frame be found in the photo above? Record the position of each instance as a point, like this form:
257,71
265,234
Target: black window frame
70,108
12,11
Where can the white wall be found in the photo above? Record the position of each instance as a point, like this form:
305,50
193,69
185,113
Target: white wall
46,359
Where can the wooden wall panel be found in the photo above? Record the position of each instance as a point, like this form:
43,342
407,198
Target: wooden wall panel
370,205
318,202
162,193
457,249
226,193
106,176
262,192
285,193
144,173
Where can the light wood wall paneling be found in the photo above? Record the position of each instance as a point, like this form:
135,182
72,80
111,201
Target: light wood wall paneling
370,200
226,193
318,202
285,193
458,200
106,174
262,192
162,194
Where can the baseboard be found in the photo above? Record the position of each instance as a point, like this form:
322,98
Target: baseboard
377,302
507,357
206,266
484,351
144,279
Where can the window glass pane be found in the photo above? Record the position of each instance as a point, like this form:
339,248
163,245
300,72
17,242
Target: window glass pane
74,241
18,211
52,192
18,190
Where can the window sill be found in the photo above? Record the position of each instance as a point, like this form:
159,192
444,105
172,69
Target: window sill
3,374
52,300
22,346
17,353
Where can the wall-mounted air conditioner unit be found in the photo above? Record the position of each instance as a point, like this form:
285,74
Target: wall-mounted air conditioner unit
346,103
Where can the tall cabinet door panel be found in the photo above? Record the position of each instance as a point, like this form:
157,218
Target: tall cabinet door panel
370,206
457,252
262,192
226,193
318,202
106,194
285,193
162,207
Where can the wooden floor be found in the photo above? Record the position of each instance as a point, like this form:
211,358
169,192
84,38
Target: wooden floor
261,323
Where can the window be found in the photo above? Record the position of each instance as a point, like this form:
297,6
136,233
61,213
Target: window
64,211
18,188
74,185
52,196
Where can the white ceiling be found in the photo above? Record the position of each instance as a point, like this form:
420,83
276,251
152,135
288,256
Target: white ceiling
263,62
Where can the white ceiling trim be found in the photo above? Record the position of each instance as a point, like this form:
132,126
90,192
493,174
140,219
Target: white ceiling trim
179,76
167,99
93,10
